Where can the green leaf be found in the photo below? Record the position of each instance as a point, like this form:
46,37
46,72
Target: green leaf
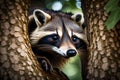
113,18
111,5
113,8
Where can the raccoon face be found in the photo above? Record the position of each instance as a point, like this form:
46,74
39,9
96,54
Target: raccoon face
57,32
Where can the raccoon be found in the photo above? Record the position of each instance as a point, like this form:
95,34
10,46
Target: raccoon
55,37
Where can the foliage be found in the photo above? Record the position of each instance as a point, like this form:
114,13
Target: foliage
67,5
73,69
113,8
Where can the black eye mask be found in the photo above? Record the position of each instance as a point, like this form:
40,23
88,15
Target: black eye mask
52,39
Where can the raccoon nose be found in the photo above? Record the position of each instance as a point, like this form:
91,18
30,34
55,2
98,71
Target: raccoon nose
71,53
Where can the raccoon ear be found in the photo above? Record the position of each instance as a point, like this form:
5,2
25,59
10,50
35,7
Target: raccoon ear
41,17
78,17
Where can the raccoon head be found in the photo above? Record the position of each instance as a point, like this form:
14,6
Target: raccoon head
57,32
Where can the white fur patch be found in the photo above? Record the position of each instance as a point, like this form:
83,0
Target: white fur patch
61,52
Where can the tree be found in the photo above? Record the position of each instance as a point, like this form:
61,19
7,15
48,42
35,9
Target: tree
104,56
17,61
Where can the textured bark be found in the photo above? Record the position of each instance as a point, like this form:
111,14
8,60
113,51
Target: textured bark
104,56
17,61
15,55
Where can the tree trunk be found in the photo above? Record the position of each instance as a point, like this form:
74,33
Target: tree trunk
17,61
104,50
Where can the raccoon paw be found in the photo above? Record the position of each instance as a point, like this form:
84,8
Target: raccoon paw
61,74
45,64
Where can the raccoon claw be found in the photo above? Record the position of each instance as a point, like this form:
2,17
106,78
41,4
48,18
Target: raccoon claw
45,64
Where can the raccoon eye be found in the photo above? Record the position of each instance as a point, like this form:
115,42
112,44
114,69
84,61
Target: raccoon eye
75,39
78,42
52,39
55,37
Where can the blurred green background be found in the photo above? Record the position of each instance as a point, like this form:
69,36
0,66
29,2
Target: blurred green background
64,5
73,68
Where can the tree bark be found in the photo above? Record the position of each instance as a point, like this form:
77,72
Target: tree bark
17,61
104,50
